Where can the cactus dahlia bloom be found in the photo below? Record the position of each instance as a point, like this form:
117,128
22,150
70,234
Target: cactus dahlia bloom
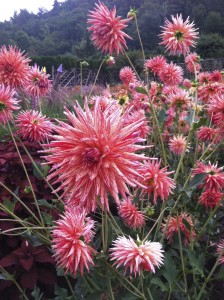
136,256
155,64
216,109
156,180
210,199
127,75
192,62
7,104
14,67
173,224
107,29
38,83
95,155
177,144
178,36
171,74
214,179
130,214
33,126
70,237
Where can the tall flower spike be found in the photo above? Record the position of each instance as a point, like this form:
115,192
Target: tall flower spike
136,257
178,36
107,29
95,155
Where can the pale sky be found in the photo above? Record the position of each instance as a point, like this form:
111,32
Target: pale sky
7,7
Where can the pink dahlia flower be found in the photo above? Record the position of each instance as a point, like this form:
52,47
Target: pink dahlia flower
155,64
127,75
216,76
14,67
136,256
178,36
7,104
156,180
192,62
130,214
209,134
179,100
216,109
214,179
177,144
207,91
107,29
38,83
95,155
70,237
171,74
210,199
220,251
204,77
173,224
33,126
138,115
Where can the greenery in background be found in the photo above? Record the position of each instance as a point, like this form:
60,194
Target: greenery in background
60,35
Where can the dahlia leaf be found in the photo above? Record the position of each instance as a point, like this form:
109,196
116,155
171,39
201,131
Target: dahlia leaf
36,293
141,90
197,180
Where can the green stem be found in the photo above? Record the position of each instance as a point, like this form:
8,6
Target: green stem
97,74
131,64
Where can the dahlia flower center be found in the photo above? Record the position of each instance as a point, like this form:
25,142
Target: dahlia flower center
2,106
179,35
91,156
35,122
8,68
151,182
212,172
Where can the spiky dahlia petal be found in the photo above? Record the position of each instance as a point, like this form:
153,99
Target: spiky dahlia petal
7,103
178,36
95,155
136,257
107,29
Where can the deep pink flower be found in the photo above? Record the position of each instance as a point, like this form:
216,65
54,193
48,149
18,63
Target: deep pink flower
172,224
171,74
107,29
70,237
210,199
209,134
192,62
216,109
187,83
127,75
14,67
178,36
33,126
214,179
7,103
216,76
38,83
220,251
207,91
136,256
155,64
156,180
95,155
130,214
177,144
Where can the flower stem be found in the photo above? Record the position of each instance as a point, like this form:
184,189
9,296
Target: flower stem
97,75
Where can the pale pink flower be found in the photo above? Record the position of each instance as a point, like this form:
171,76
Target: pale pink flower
33,126
173,224
171,74
14,67
130,214
38,83
192,62
177,144
107,29
156,180
210,199
70,237
216,109
214,179
155,64
136,256
127,75
104,102
220,251
178,36
135,116
7,103
209,134
95,155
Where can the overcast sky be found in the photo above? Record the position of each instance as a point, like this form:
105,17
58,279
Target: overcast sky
7,7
